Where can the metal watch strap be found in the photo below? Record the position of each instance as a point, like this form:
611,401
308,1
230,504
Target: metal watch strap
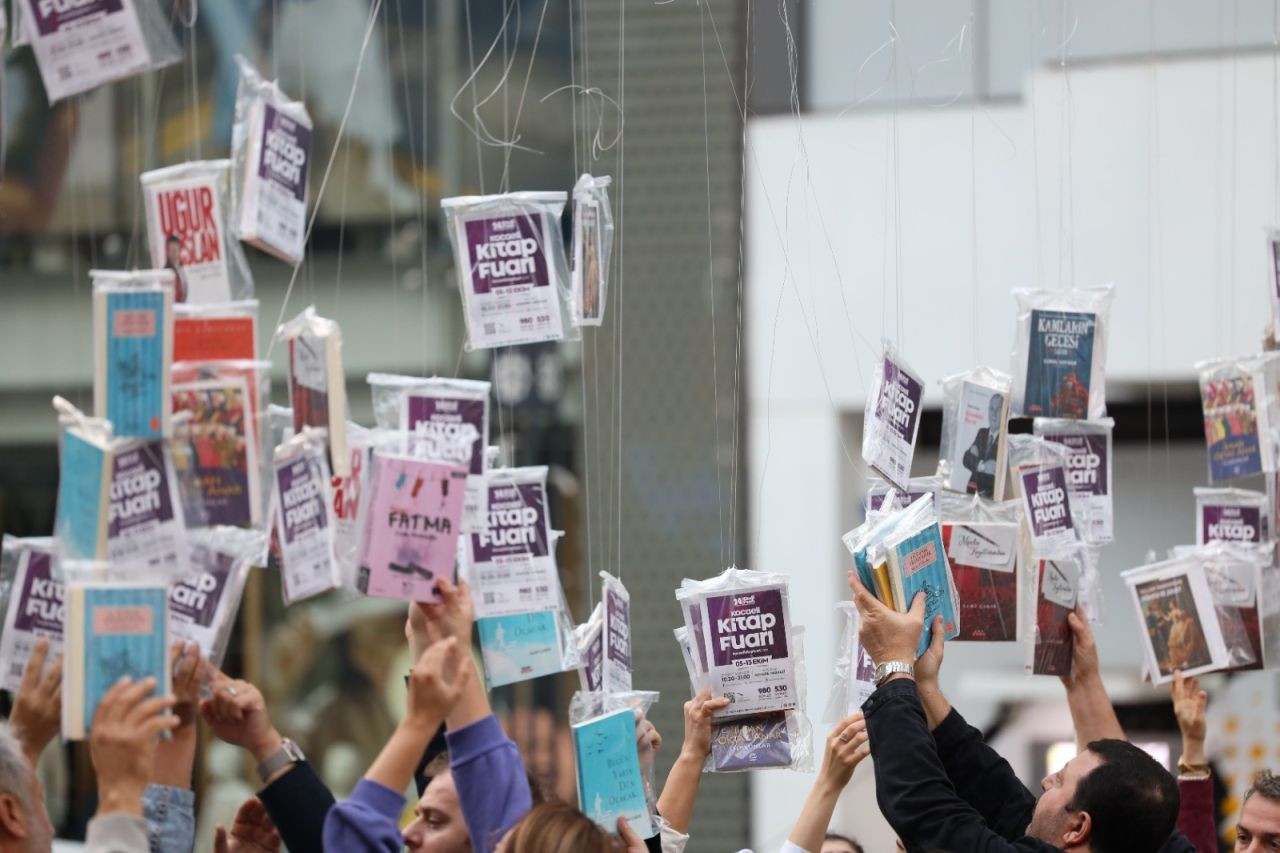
288,753
893,667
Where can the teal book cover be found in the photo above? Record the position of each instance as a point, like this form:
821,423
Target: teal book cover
609,781
519,647
920,565
80,526
123,633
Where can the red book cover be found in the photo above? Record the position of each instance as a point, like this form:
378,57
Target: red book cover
205,338
1058,580
988,596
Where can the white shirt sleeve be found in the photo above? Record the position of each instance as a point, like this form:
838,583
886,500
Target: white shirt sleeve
673,840
788,847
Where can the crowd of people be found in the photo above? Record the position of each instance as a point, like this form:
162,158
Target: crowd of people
939,786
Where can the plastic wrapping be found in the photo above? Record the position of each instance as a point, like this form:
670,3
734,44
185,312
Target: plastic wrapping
302,508
917,487
892,418
616,669
34,606
271,156
116,625
317,381
1269,614
592,249
975,416
1240,411
223,331
1060,353
80,46
351,493
435,418
1055,577
221,438
588,639
1235,575
85,446
188,209
1181,629
410,531
203,609
1273,279
1039,471
1089,457
1231,515
132,350
744,620
855,673
984,548
145,519
614,759
512,272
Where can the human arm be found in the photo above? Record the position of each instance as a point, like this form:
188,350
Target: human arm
37,709
1195,783
175,757
452,616
846,747
251,832
675,803
1091,710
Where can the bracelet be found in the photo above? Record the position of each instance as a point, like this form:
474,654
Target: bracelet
1195,771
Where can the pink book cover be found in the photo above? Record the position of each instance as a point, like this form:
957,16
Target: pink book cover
411,532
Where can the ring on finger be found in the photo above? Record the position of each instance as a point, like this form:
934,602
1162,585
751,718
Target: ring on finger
231,691
844,736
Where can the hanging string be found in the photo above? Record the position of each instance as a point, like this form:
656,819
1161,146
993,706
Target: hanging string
1235,135
1033,61
621,239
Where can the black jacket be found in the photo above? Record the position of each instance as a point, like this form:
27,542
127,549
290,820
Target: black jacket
950,791
298,802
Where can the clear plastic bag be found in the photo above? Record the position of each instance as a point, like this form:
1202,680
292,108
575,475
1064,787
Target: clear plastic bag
1181,629
984,548
1060,352
203,608
34,606
132,350
1053,585
917,487
1273,278
222,331
116,625
317,382
221,440
855,672
271,156
188,210
975,416
592,249
1039,470
511,268
744,620
145,519
85,447
614,759
892,418
302,508
616,675
81,46
1235,573
351,494
1240,412
1089,456
1231,515
588,638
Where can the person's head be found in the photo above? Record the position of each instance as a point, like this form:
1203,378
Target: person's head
836,843
438,826
24,824
995,408
1259,826
557,827
173,249
1112,797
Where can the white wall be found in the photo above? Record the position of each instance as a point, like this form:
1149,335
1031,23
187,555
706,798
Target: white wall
1162,190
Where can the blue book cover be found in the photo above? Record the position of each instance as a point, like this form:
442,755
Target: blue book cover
134,361
111,632
1059,364
82,493
519,647
609,781
919,563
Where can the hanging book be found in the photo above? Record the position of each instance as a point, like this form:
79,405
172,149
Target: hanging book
218,443
133,350
609,782
1088,461
513,569
302,501
589,638
975,418
592,249
917,561
85,465
892,419
36,608
616,675
984,564
1231,515
1060,355
1237,400
1046,500
1175,607
1057,589
145,524
187,213
917,487
220,332
112,630
511,266
203,606
445,420
317,382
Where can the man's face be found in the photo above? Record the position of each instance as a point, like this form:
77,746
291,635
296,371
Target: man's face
994,407
173,251
1051,817
1259,826
438,827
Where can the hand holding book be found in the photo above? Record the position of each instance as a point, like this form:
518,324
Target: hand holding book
37,707
886,634
122,742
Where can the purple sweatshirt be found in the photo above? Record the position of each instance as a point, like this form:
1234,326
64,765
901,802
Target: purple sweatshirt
492,788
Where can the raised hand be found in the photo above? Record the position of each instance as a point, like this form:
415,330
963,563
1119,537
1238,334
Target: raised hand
886,634
1189,703
435,683
252,831
1084,651
697,723
236,713
452,616
846,746
122,742
190,672
37,709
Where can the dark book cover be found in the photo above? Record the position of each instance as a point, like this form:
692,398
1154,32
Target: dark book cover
1053,632
988,598
1059,364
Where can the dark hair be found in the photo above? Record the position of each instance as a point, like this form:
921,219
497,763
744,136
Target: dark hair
835,836
174,238
1131,800
557,827
1265,785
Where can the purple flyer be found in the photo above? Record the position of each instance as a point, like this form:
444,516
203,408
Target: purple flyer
890,427
1044,495
435,422
592,669
285,144
301,500
52,15
517,523
617,630
748,742
1230,523
506,251
195,601
144,526
37,609
749,660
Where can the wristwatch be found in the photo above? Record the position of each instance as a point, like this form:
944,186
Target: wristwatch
288,753
884,670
